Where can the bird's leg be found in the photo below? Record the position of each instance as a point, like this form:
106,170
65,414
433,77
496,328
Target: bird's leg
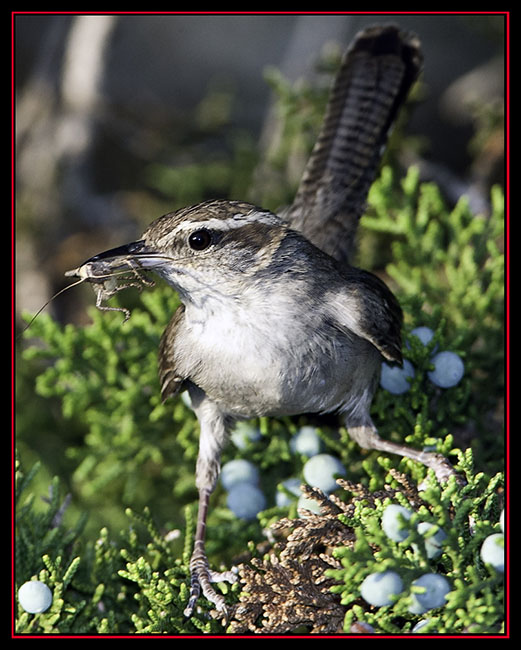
211,441
201,576
367,437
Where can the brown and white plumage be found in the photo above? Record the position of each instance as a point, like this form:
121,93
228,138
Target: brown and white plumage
274,320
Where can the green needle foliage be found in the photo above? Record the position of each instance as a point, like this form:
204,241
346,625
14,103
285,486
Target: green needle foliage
128,450
89,412
467,514
124,584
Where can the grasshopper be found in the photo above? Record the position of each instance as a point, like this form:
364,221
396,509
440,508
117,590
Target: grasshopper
107,273
107,279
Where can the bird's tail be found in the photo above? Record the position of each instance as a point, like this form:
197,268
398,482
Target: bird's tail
375,76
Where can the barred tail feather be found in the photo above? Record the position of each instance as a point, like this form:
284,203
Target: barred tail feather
374,79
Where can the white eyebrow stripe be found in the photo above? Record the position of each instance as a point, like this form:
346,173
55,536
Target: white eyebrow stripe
230,223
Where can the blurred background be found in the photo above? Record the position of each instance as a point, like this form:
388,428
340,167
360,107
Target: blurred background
121,118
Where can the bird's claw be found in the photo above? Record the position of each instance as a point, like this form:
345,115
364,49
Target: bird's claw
443,470
201,579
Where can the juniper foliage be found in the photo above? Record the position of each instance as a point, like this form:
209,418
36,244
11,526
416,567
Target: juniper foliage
96,420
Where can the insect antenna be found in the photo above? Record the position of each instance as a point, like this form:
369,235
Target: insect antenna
47,303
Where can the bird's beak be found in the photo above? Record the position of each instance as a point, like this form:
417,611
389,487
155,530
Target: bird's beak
121,253
121,258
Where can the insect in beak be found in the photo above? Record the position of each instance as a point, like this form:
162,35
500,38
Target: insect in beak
112,271
109,272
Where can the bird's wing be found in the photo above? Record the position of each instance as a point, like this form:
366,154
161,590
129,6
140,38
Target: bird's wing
368,309
170,379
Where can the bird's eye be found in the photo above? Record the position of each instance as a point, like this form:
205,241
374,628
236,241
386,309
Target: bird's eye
200,239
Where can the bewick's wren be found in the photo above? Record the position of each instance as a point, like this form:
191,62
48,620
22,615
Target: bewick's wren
274,320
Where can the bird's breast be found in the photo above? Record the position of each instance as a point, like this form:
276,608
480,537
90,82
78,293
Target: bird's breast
268,361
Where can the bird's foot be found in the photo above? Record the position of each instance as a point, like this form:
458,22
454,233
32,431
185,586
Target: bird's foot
442,468
367,437
201,577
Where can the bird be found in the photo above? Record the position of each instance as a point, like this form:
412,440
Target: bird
274,320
